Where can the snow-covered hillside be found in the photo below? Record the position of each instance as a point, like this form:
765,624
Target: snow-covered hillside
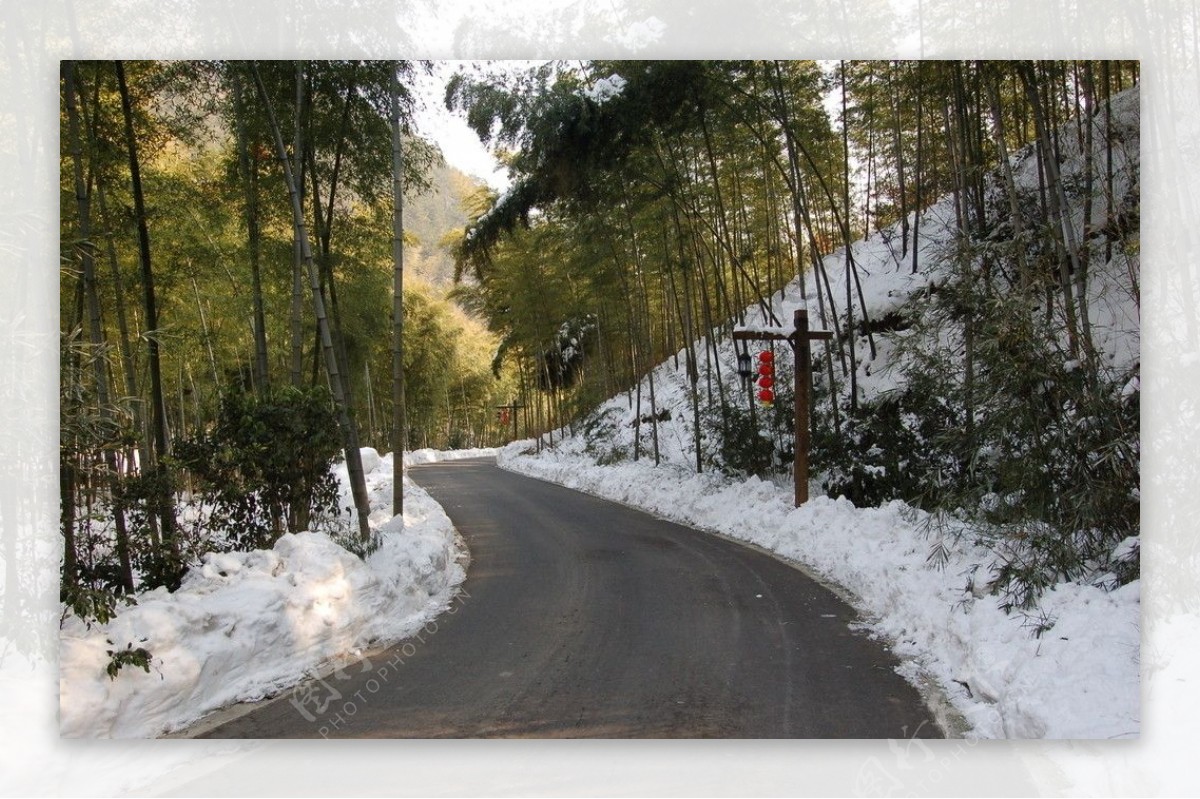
1066,667
889,285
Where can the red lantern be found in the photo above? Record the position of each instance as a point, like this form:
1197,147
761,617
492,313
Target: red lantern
766,379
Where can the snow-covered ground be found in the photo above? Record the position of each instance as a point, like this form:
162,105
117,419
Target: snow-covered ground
1079,679
245,625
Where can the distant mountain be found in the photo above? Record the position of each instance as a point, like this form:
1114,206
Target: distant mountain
430,216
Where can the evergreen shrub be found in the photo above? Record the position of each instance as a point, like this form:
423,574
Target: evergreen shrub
265,466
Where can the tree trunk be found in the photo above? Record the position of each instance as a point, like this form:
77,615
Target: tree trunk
1088,119
917,204
399,418
794,167
297,307
649,361
249,174
1009,184
324,260
323,227
66,495
166,507
354,468
898,145
846,239
1065,232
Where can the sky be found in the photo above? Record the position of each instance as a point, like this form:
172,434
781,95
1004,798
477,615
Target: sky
459,144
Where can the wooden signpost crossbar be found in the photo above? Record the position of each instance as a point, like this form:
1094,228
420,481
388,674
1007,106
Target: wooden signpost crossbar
799,338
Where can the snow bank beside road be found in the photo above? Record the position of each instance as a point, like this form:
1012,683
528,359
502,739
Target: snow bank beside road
245,625
1079,679
436,455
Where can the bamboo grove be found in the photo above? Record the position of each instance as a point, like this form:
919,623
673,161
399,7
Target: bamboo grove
647,221
227,314
656,205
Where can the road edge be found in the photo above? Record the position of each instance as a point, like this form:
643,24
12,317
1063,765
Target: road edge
952,723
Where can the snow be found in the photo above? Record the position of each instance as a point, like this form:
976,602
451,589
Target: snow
417,456
605,89
502,198
1078,679
246,625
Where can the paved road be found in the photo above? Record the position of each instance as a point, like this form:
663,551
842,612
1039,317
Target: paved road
583,618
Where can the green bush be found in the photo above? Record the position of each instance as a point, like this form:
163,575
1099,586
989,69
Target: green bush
741,442
119,658
1037,450
265,465
142,496
890,447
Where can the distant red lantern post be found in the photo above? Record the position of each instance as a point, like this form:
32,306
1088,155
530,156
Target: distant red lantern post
506,412
799,338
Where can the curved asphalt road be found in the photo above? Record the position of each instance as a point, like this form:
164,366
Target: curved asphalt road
584,618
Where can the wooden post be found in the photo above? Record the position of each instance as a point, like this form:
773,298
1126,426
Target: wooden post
514,408
803,433
799,339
